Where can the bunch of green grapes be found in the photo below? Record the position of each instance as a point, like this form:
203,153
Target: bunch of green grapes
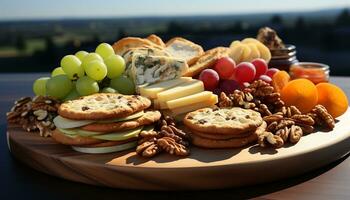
86,73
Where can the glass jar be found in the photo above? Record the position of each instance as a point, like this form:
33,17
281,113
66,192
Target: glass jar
315,72
283,58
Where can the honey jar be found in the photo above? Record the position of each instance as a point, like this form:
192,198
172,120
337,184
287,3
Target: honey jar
315,72
283,58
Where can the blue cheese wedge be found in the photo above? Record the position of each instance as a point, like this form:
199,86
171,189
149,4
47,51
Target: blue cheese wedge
146,69
144,51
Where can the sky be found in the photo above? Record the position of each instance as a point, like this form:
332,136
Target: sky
53,9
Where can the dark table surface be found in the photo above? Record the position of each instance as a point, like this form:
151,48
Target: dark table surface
21,182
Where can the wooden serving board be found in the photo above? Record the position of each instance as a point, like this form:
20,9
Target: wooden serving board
203,169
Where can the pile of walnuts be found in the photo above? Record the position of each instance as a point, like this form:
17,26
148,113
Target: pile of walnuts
284,123
34,114
164,138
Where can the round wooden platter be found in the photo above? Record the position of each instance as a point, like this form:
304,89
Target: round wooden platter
203,169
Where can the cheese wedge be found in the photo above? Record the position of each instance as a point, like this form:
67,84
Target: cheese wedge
192,99
182,90
208,103
151,91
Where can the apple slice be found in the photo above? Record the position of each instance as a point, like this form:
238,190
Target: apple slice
99,150
130,117
119,136
64,123
68,132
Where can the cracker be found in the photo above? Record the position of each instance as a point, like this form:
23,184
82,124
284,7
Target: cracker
103,106
108,143
75,141
148,118
230,143
230,121
217,136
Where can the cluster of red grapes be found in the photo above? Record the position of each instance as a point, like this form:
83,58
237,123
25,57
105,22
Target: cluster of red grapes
226,76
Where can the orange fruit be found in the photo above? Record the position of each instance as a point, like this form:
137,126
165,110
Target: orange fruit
332,98
279,80
301,93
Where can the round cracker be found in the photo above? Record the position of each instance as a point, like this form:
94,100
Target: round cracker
230,121
148,118
217,136
101,106
75,141
230,143
109,143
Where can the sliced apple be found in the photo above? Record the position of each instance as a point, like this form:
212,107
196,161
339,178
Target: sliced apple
64,123
99,150
68,132
119,136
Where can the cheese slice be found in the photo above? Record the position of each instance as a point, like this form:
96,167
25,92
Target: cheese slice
151,91
191,99
185,109
182,90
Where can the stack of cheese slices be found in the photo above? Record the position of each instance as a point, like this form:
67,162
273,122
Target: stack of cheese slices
103,122
179,96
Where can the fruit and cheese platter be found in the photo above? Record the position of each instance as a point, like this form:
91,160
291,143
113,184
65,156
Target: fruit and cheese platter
146,114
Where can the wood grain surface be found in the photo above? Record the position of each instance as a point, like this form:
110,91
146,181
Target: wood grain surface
329,182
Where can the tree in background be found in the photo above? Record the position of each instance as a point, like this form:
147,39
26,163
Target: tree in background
20,43
344,18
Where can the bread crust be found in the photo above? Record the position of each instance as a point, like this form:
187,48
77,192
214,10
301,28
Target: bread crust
207,60
193,45
156,40
121,46
101,106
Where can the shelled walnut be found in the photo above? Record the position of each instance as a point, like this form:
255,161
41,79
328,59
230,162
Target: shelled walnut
34,114
166,137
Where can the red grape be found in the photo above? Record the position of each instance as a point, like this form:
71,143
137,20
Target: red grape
260,67
245,72
270,72
217,91
228,86
225,67
210,79
265,78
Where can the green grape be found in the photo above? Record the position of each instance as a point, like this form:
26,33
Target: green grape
39,86
57,71
90,57
59,86
73,94
123,85
86,86
81,55
96,70
115,66
105,50
109,90
71,65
